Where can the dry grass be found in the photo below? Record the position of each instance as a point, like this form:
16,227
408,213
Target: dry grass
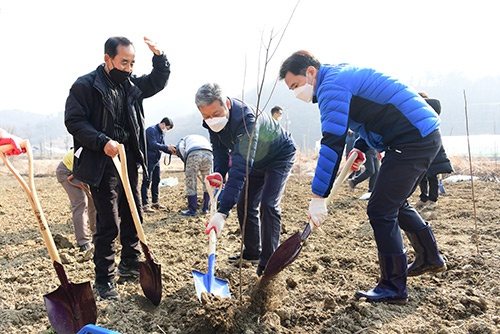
485,169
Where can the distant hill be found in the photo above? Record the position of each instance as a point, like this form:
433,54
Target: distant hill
49,136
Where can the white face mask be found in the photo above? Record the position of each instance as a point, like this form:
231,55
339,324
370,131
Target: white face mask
305,92
216,123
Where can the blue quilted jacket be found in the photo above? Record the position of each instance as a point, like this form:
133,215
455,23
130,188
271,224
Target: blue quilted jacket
382,110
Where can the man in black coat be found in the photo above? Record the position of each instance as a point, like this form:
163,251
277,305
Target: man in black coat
429,185
104,108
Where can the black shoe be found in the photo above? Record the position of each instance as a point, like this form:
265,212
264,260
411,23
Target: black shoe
260,270
251,259
125,271
107,291
86,247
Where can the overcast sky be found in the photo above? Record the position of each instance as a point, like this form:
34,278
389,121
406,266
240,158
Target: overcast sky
46,45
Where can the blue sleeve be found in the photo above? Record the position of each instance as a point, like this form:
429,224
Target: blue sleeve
153,143
333,101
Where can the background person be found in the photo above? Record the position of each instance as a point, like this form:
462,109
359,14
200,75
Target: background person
372,166
388,116
155,145
349,145
104,109
277,113
196,153
230,123
83,213
429,186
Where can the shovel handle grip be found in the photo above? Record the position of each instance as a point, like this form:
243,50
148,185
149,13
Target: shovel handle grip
5,148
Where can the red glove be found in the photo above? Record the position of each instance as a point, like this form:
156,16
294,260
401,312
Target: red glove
9,139
356,165
215,180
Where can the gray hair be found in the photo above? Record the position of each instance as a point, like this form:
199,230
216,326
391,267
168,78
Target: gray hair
208,94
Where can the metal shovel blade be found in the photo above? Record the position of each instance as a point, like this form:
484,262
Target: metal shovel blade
150,277
286,253
71,306
209,283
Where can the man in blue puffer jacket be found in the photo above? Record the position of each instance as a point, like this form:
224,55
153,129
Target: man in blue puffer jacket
238,131
388,116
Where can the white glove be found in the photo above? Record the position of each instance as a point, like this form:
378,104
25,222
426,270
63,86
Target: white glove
317,211
217,223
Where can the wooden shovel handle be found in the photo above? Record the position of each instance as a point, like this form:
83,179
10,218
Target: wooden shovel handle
344,173
212,237
121,167
30,191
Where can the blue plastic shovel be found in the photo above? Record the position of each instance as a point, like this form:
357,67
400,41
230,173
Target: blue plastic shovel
208,282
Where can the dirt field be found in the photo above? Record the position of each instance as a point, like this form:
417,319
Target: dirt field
315,294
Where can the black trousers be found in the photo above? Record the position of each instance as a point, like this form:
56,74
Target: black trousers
265,190
114,218
401,171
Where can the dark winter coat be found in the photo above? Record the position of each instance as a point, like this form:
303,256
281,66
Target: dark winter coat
155,143
441,164
89,117
270,142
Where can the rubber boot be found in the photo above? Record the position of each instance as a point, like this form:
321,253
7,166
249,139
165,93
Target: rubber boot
206,203
392,285
427,257
192,206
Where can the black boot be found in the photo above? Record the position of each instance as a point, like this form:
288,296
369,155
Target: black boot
206,203
192,206
392,285
427,257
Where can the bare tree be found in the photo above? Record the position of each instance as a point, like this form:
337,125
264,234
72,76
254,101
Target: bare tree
266,53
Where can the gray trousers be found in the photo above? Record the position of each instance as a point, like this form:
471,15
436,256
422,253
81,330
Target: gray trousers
83,212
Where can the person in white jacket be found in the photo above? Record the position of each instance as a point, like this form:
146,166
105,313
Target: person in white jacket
196,153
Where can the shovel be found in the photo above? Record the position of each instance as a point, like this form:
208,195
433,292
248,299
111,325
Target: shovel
72,305
289,250
208,282
150,271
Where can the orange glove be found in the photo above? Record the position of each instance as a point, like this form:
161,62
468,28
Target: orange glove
215,180
8,139
356,165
